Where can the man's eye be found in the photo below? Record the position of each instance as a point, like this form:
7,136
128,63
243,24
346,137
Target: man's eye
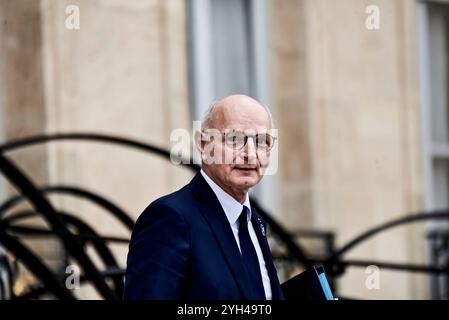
231,138
235,138
262,140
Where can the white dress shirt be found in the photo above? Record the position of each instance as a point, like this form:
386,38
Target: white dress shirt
232,209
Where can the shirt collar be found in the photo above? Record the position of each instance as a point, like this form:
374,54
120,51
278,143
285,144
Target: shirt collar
231,207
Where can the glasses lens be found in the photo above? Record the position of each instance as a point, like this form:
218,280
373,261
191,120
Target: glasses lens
264,141
235,139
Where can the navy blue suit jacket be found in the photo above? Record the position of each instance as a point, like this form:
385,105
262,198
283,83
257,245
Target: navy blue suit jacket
182,247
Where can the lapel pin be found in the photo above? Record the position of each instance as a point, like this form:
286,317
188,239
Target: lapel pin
262,228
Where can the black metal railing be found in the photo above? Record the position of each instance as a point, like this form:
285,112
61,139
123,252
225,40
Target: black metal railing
439,255
75,235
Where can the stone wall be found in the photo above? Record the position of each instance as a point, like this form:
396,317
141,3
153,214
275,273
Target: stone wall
123,73
347,104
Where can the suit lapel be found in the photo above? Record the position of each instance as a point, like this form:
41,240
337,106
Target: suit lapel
216,218
260,229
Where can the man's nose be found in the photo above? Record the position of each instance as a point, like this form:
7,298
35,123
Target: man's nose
250,151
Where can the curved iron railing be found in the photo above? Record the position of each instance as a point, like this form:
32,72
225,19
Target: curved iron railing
74,244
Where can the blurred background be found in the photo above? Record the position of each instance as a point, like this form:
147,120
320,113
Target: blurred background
358,91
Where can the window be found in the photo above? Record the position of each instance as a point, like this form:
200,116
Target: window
228,49
434,54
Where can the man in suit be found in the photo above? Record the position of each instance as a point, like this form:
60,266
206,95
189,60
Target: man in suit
205,241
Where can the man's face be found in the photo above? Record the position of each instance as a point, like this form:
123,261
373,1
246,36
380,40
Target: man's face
234,168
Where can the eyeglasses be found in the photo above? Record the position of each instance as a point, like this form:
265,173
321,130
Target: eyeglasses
237,140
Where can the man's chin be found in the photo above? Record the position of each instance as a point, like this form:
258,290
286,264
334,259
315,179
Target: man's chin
246,181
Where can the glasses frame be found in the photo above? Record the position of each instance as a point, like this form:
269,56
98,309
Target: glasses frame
247,136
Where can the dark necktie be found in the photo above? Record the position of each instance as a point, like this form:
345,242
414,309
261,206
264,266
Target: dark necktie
249,257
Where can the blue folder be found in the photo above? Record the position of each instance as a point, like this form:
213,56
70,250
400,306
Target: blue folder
310,285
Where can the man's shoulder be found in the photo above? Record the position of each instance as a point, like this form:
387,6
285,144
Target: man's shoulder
176,200
180,203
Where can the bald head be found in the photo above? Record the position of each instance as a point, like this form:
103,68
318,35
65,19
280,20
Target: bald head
225,111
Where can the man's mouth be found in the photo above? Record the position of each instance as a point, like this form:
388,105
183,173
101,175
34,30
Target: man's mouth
247,169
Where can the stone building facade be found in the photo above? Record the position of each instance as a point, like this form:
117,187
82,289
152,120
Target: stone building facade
346,99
